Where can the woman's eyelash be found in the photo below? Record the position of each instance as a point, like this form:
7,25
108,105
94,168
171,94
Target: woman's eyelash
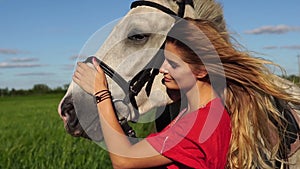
173,65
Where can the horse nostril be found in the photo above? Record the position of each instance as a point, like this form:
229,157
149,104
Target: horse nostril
72,125
68,110
67,106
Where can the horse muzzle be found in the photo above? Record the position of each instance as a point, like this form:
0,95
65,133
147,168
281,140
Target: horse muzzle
71,122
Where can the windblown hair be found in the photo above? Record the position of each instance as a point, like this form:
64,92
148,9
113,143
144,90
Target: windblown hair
248,94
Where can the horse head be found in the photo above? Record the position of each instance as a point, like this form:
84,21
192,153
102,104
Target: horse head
133,43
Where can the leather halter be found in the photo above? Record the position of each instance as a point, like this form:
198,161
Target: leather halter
133,87
181,5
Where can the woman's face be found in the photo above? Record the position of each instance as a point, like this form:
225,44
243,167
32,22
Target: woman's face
177,73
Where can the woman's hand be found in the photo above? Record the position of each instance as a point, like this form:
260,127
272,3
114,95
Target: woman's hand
89,79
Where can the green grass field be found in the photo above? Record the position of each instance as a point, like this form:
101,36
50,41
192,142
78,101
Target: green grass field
32,136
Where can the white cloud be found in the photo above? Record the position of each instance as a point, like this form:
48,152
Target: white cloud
69,67
11,51
279,29
24,59
35,74
270,47
291,47
18,65
75,57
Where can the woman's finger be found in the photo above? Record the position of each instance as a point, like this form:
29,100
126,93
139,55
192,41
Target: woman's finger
84,83
80,71
97,66
95,63
77,74
83,68
76,80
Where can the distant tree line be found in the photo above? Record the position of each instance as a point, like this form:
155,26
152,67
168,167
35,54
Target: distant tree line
44,89
37,89
293,78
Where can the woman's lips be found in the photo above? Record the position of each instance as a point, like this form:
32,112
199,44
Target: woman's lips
166,79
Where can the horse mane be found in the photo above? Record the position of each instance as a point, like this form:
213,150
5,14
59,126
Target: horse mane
212,11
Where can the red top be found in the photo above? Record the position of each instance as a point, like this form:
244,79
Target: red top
198,139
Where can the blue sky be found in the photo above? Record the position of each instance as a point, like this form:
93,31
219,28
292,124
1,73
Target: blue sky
39,39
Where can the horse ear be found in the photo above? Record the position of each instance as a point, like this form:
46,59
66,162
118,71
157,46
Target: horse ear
190,12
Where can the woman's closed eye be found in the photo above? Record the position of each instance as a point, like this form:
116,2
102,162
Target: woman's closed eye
172,64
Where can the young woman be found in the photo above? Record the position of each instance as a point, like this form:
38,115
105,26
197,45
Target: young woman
211,74
183,143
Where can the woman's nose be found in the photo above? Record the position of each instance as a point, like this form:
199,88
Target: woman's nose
163,68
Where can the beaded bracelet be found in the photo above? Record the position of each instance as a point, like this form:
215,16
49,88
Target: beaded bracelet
102,95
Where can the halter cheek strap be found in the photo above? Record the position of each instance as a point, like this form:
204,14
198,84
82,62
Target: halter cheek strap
182,5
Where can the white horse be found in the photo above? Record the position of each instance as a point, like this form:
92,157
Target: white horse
132,44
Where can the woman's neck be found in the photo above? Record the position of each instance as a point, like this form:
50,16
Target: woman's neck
201,94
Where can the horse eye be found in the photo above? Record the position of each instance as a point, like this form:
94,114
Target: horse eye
139,37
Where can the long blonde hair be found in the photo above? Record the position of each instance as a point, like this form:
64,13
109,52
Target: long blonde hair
248,94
